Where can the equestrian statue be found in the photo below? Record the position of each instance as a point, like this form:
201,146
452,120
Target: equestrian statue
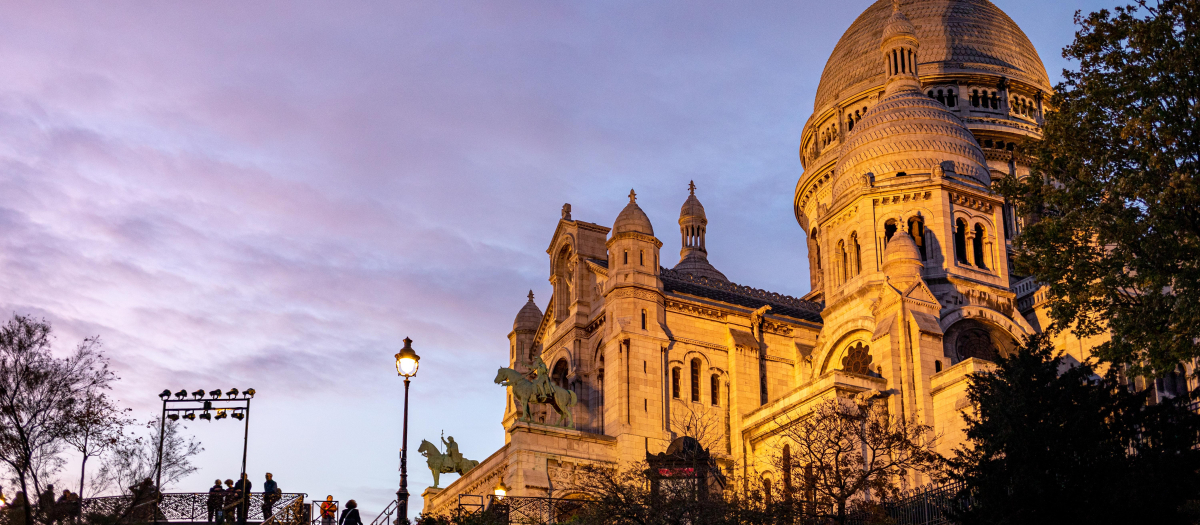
541,390
450,462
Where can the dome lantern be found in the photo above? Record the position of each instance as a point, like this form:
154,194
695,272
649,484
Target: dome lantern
693,225
899,46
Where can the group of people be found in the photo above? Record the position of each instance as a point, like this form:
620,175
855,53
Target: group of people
226,503
48,509
349,514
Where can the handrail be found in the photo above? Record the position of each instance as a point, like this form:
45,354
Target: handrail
292,513
384,518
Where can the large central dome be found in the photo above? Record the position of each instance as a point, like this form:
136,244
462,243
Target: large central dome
957,36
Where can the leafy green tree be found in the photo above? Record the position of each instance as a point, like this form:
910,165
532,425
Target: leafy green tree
1114,216
1055,444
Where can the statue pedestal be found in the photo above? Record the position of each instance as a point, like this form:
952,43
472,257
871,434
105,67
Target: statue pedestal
428,495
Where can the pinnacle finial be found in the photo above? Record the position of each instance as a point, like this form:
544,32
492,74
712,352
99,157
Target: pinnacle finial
692,187
632,197
895,5
531,296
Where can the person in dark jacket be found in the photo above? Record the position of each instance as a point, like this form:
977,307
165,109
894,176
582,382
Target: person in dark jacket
216,500
243,487
350,514
271,495
233,498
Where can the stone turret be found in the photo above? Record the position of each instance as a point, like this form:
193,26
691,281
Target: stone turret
693,256
521,338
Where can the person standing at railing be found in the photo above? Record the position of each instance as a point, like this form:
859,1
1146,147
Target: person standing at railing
243,487
233,498
350,515
271,495
328,511
216,500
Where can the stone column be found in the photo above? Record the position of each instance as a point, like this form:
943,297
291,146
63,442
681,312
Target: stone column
969,242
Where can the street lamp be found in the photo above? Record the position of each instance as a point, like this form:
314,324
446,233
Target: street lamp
407,362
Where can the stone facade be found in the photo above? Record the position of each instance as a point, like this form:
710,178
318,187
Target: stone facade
919,108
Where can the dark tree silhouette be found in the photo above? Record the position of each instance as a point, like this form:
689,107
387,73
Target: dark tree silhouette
1052,446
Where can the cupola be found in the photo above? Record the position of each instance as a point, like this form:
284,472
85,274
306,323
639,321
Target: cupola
632,219
529,317
899,47
693,256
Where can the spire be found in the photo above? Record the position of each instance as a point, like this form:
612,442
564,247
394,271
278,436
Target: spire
632,197
531,296
693,256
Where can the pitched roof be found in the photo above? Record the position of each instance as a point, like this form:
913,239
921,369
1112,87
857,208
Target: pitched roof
732,293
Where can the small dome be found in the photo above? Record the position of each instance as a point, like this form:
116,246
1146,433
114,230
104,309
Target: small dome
529,317
902,259
632,219
692,206
898,24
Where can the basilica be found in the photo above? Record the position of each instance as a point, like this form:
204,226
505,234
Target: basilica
921,105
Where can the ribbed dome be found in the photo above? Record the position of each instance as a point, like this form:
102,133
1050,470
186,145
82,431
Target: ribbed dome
971,36
691,206
632,219
901,259
912,133
529,317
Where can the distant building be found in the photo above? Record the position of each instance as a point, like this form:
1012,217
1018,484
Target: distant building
919,108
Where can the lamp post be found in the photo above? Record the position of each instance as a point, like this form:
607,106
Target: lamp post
407,362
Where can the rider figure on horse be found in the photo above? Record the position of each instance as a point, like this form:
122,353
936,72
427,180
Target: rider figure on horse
542,388
452,451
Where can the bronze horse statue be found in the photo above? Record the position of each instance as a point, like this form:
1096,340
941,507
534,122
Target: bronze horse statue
523,393
441,463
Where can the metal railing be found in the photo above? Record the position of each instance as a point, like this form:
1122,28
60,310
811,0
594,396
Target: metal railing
293,512
522,510
185,506
385,517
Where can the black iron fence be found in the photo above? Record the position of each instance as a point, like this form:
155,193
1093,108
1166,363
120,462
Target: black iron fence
192,507
930,505
522,510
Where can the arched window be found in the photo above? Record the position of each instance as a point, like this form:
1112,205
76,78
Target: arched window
849,122
714,389
695,380
675,383
766,483
978,246
817,245
643,319
931,94
889,229
951,98
559,375
937,366
975,98
641,257
941,97
786,459
916,228
855,254
841,264
625,258
995,101
960,241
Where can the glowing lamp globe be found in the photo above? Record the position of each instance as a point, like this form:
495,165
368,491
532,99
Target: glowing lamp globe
407,360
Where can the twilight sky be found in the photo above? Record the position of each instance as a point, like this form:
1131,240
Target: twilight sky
273,194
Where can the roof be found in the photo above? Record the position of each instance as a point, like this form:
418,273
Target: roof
732,293
969,36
